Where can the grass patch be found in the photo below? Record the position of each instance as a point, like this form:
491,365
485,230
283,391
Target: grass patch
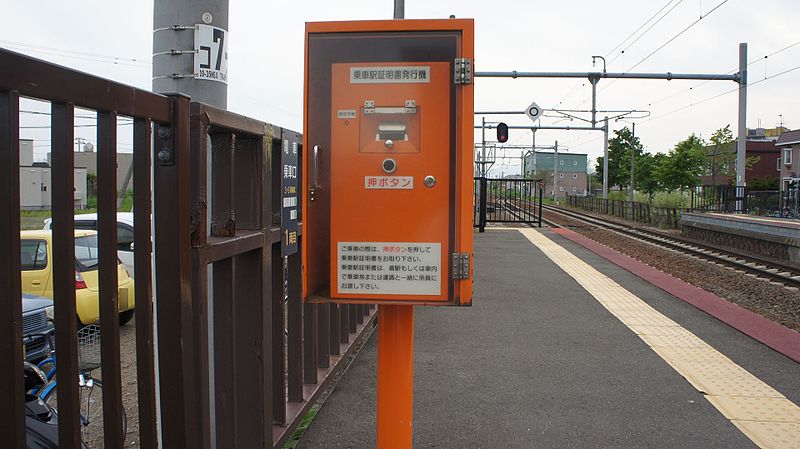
34,219
301,429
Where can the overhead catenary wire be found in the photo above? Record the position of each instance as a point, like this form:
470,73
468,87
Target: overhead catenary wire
582,84
660,47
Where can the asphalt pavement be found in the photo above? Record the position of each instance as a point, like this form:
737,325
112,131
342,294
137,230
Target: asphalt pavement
537,362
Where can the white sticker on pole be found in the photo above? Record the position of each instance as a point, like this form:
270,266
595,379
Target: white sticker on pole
390,268
211,53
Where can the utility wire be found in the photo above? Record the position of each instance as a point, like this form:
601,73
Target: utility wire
647,30
722,94
728,73
670,40
46,49
581,84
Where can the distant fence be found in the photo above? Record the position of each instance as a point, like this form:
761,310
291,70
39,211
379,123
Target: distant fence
663,217
507,201
742,200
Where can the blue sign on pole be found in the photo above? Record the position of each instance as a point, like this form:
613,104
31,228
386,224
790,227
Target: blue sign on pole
289,193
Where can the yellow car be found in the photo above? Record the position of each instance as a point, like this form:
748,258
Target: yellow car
36,251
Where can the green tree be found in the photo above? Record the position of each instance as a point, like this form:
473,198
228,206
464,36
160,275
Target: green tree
619,160
720,156
645,173
681,167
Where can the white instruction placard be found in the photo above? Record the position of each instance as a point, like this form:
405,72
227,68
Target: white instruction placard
390,268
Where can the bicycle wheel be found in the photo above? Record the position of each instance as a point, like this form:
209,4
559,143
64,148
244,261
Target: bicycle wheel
90,393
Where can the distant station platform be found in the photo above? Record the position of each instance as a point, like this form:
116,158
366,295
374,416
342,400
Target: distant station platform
572,344
774,238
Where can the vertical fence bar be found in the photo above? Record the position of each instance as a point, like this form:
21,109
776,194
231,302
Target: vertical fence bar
109,299
12,414
63,177
224,362
541,198
295,337
310,343
335,311
344,325
142,257
352,319
198,384
278,338
252,382
323,337
172,208
482,207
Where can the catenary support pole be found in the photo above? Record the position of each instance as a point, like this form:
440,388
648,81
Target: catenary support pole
633,158
741,141
173,48
605,158
395,376
555,172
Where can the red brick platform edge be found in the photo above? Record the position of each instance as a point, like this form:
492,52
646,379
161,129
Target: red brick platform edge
779,338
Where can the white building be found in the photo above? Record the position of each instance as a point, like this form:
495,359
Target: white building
35,187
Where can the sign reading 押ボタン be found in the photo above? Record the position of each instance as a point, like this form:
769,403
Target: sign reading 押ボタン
389,268
389,182
346,113
289,197
211,53
413,74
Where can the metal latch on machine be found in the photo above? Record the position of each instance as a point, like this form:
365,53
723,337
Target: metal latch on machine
460,265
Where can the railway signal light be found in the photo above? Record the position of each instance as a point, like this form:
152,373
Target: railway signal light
502,132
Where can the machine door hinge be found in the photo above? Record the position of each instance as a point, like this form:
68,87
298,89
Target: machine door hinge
460,265
463,71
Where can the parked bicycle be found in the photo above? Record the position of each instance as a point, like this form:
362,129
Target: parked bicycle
90,387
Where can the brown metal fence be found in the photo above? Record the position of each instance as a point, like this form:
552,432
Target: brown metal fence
272,354
663,217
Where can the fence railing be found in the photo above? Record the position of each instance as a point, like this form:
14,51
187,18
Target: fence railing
272,354
506,201
738,199
663,217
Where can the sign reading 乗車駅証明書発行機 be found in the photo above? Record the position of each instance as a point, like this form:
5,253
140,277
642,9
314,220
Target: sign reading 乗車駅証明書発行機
388,176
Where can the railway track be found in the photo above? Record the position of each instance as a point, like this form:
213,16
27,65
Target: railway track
772,271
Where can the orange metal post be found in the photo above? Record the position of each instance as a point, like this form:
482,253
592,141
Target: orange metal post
395,375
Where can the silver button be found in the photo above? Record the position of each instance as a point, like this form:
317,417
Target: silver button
429,181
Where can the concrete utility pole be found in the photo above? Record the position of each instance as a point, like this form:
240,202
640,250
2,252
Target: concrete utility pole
174,48
741,142
399,9
605,158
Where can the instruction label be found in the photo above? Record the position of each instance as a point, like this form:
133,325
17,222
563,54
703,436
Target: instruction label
389,182
393,268
372,75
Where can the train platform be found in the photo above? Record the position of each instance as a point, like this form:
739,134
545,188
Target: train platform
770,237
564,348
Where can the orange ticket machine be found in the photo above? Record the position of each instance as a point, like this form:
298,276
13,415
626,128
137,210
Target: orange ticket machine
388,162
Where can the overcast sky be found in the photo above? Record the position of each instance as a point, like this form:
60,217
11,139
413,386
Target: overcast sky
266,57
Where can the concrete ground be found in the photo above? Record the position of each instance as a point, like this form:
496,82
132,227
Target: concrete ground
539,363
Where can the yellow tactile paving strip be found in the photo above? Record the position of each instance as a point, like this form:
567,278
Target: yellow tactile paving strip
767,417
